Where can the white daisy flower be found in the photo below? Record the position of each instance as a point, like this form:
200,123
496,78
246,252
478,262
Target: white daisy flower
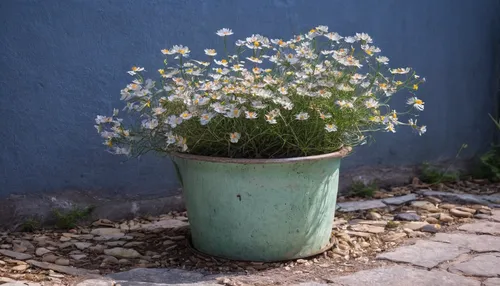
239,43
210,52
370,49
234,137
103,119
302,116
150,124
417,103
333,37
258,105
121,151
330,127
167,52
170,138
173,121
251,114
134,70
224,32
206,117
255,60
322,29
283,90
233,113
371,103
400,71
158,110
383,60
278,42
222,62
186,115
364,38
181,50
390,127
421,130
325,115
350,39
271,118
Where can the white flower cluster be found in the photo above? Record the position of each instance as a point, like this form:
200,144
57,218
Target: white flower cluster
320,77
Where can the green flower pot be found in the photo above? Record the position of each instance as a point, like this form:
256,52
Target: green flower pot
260,209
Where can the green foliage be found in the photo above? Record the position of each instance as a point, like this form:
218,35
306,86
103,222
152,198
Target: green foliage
491,159
359,188
432,175
30,225
69,219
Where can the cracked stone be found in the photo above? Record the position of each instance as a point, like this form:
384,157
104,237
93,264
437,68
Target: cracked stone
395,275
62,269
484,265
41,251
367,228
15,255
415,225
477,243
164,224
431,228
82,245
407,217
400,200
459,213
492,282
78,256
425,205
96,282
360,205
62,261
120,252
424,253
482,227
150,276
105,231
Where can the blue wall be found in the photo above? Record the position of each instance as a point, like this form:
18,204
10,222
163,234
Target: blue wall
63,62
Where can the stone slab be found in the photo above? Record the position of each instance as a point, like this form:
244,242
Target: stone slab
495,215
62,269
162,277
484,265
424,253
477,243
400,200
403,276
96,282
482,227
360,205
461,198
492,282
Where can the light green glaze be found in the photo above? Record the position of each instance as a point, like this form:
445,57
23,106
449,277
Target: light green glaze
260,211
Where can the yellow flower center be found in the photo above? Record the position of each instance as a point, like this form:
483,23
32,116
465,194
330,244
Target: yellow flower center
419,101
182,51
223,61
134,86
280,42
415,87
219,70
369,52
399,82
109,143
161,71
256,44
312,31
148,103
236,112
383,85
134,68
165,51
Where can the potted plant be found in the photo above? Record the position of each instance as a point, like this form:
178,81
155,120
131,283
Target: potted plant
257,132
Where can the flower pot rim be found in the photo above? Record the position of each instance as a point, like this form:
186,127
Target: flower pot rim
342,152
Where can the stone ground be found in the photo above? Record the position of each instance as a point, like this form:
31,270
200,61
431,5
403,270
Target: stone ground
406,236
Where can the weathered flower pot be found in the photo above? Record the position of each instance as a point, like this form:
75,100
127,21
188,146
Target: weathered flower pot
260,209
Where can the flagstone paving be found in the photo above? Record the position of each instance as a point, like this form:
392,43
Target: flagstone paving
373,249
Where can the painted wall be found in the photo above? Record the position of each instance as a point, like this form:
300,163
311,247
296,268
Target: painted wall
63,62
